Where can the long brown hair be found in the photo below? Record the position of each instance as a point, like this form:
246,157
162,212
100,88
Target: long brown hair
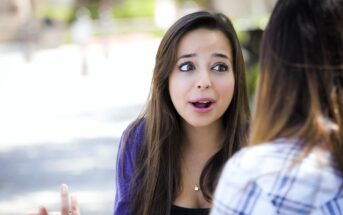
157,173
301,84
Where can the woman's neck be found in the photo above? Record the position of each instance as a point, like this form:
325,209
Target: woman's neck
199,144
203,140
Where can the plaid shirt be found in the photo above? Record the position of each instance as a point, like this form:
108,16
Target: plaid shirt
267,179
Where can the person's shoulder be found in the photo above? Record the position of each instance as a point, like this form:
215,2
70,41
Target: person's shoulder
274,153
273,147
261,161
135,130
240,184
281,165
133,136
278,174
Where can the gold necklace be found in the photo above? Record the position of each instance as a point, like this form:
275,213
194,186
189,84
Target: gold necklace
196,187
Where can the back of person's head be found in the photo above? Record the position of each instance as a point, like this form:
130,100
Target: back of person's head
301,85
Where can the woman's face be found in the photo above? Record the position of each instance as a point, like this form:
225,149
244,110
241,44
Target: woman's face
202,82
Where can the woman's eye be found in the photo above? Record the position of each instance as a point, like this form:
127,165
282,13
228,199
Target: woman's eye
220,67
185,67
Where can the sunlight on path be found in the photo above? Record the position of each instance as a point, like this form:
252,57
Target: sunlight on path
59,126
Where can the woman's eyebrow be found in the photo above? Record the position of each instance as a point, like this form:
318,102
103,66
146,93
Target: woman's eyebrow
186,56
221,55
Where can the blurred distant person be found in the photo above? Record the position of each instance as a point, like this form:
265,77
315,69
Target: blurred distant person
27,30
82,30
106,24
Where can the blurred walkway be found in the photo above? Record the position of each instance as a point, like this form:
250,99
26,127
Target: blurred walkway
59,126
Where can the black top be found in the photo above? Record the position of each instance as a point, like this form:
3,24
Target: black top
177,210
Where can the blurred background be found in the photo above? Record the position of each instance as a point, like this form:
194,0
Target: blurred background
73,74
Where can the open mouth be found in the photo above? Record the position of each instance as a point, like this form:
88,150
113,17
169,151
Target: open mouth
202,104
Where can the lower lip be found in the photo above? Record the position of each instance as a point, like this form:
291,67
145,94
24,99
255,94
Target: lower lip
202,110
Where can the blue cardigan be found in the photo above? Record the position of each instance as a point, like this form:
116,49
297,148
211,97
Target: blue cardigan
126,158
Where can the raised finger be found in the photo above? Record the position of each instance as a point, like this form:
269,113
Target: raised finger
43,211
64,199
74,206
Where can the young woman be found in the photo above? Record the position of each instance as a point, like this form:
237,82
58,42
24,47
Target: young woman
196,117
295,163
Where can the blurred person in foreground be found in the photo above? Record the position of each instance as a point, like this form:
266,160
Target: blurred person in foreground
294,163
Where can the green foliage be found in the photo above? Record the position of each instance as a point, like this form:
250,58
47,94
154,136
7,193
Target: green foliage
242,37
252,79
55,12
93,12
134,8
252,72
198,2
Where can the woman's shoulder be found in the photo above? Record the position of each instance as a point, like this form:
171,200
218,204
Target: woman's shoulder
280,151
132,138
251,161
282,158
280,170
134,131
282,154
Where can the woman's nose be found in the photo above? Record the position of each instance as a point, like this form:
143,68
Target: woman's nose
204,81
203,86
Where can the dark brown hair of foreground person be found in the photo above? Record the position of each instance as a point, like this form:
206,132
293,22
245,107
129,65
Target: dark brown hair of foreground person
301,84
157,175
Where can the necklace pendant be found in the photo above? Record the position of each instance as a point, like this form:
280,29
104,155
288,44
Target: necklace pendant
196,188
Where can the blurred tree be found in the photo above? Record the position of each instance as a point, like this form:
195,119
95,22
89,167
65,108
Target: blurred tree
120,8
252,48
91,5
133,8
207,4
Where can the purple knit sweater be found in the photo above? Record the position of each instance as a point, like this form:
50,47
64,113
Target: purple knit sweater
124,168
125,161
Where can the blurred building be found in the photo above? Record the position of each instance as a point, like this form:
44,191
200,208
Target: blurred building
22,20
13,15
249,14
245,8
18,18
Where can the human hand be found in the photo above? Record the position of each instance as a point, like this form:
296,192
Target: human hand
67,208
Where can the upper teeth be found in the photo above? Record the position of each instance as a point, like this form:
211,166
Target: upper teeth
204,102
